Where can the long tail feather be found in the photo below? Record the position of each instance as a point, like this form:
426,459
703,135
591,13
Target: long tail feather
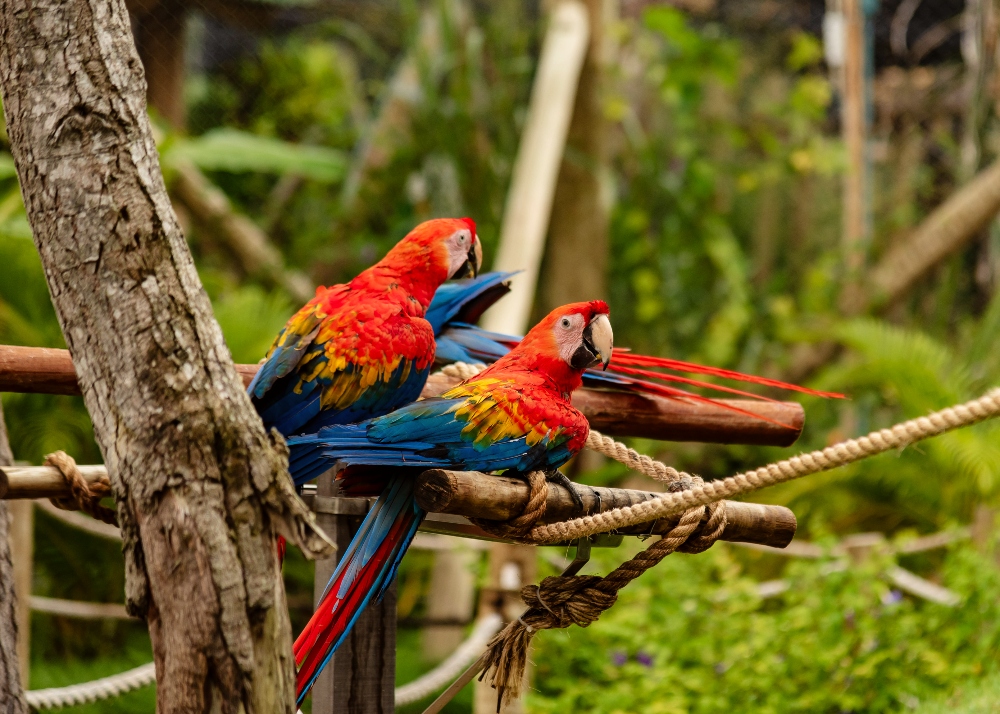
624,358
365,571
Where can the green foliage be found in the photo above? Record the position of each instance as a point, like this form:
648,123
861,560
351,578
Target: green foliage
237,151
721,131
693,636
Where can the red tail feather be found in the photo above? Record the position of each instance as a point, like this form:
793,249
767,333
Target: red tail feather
673,393
649,374
628,359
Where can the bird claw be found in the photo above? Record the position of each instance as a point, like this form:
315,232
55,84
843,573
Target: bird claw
557,476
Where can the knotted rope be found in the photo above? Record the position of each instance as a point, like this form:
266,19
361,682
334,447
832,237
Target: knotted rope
84,496
561,601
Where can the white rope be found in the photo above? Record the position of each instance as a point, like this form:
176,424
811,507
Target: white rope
456,663
78,608
95,691
118,684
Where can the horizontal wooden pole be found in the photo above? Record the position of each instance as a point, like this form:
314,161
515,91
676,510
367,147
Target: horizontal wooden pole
47,482
50,371
500,498
475,495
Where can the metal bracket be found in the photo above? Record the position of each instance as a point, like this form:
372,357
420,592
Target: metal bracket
581,558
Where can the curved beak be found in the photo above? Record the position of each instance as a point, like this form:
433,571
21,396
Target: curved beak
598,343
470,268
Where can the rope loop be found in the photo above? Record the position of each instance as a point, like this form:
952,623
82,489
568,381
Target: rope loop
519,527
84,496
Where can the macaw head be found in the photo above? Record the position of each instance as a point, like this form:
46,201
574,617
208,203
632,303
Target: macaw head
569,340
435,251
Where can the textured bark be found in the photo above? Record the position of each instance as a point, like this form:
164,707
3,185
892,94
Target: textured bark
200,486
576,254
11,695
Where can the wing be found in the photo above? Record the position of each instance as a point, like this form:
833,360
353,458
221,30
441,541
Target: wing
361,358
485,425
466,300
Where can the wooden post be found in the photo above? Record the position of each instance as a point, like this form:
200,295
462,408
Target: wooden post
536,168
159,37
576,253
854,126
22,551
510,568
451,601
13,603
361,677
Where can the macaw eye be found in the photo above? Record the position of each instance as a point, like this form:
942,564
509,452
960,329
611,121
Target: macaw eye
462,237
566,324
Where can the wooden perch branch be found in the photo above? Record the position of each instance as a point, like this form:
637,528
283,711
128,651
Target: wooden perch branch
500,498
49,371
17,482
477,495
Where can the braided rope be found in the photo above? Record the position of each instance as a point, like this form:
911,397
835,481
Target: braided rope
464,655
84,496
463,370
95,691
846,452
118,684
618,451
519,527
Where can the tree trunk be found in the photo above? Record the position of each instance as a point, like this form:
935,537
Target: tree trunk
200,486
11,695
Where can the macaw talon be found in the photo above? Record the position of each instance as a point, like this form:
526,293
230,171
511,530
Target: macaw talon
557,476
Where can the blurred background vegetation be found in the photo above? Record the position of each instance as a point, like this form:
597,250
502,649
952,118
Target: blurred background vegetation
329,128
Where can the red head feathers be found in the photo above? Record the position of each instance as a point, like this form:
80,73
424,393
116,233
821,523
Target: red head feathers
564,344
433,252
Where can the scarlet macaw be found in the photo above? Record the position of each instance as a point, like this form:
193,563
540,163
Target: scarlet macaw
364,348
515,416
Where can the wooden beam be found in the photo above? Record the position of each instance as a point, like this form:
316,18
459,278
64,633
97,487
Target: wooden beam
469,494
26,482
536,167
499,498
50,371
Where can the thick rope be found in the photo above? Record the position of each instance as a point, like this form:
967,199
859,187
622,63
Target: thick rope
442,675
95,691
85,496
561,601
520,526
618,451
118,684
847,452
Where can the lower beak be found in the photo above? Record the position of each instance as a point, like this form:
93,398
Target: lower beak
470,268
598,341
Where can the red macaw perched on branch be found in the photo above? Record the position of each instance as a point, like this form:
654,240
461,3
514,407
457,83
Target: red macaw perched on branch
515,416
364,348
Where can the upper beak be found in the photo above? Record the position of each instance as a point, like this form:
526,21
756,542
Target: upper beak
599,339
